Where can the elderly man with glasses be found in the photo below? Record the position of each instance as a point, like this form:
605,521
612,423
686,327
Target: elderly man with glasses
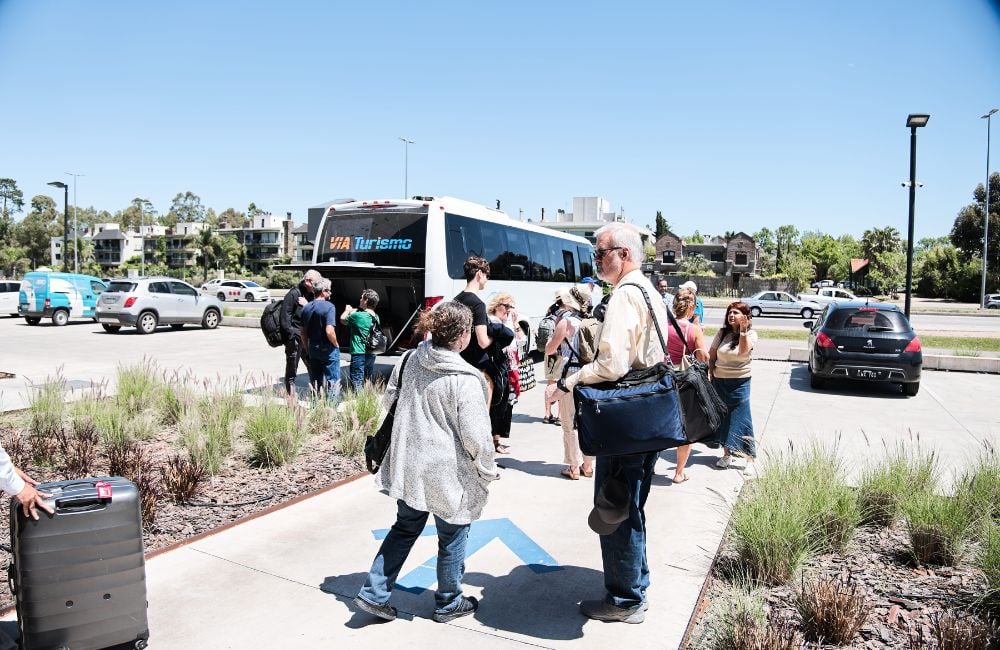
628,340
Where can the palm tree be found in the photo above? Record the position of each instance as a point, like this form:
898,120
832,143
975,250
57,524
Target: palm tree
208,242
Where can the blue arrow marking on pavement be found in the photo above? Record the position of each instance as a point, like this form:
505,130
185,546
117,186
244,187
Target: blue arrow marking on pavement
482,533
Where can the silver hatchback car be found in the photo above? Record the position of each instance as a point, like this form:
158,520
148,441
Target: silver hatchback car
149,302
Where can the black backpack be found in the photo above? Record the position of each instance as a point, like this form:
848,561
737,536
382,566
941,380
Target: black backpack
376,339
270,324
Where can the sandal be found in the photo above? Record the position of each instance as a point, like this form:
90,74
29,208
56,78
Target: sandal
682,478
551,419
571,474
587,472
501,449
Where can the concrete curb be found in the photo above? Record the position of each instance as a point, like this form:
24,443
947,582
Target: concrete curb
931,362
241,321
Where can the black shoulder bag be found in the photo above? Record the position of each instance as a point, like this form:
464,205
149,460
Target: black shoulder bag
377,444
704,411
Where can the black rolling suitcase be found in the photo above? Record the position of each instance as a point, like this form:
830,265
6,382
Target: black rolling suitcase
79,576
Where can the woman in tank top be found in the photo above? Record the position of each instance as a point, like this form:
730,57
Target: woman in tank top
693,343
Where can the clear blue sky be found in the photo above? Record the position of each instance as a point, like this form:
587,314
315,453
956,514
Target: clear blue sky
724,115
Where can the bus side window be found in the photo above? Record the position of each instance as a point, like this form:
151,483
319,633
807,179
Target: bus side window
569,265
541,268
517,248
586,261
495,250
463,239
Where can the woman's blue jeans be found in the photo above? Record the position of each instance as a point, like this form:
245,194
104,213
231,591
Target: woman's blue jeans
324,369
396,547
626,571
362,368
736,433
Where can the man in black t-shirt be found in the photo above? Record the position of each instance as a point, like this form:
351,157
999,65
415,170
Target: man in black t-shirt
477,272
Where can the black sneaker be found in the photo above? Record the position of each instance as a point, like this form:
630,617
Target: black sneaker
468,605
387,611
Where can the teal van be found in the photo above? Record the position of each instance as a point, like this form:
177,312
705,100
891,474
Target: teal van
59,296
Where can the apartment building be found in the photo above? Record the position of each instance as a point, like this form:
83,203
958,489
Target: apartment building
589,213
267,239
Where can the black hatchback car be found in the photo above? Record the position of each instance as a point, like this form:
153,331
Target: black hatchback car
865,341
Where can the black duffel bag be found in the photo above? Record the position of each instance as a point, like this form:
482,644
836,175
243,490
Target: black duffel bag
703,409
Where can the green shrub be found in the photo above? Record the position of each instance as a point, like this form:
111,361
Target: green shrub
939,527
113,425
282,279
137,387
884,487
358,417
743,623
799,506
981,485
274,434
48,406
988,562
320,418
174,399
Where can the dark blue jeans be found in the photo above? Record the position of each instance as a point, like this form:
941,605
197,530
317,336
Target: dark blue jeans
736,433
324,369
362,368
626,572
396,547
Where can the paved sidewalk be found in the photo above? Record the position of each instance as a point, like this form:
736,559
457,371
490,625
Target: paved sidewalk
286,579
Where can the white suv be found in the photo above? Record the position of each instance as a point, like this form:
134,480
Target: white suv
149,302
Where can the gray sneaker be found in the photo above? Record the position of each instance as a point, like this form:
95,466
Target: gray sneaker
602,611
468,605
386,611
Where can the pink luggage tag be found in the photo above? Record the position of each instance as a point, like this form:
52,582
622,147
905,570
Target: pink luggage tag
103,489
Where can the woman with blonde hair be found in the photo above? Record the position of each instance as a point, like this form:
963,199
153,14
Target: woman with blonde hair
501,311
440,462
692,343
566,340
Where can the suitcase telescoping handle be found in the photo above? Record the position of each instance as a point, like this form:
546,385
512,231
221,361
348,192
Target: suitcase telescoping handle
94,499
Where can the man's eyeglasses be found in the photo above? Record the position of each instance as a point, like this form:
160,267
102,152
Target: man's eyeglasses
599,253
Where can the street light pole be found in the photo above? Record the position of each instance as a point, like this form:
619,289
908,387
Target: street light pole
986,210
914,121
142,239
76,225
406,166
65,189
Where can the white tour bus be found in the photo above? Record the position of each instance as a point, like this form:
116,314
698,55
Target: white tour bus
412,253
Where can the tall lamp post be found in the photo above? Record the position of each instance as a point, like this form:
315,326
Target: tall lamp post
914,121
142,239
76,225
406,166
65,189
986,210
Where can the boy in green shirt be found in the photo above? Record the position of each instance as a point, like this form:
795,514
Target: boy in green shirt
359,322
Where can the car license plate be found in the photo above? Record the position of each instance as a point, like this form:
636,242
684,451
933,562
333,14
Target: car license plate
112,321
867,373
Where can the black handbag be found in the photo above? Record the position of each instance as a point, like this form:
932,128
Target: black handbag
703,409
637,414
377,444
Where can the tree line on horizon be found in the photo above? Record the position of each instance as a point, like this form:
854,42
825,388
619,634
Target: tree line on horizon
946,266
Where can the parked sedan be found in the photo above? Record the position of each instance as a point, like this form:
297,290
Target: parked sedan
779,302
864,342
993,301
147,303
241,290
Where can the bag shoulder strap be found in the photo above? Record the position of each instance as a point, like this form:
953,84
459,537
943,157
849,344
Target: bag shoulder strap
652,315
677,328
399,377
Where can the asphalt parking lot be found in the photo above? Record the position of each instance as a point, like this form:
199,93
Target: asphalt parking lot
952,413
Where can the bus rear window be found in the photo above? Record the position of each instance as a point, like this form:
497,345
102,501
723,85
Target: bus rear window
379,238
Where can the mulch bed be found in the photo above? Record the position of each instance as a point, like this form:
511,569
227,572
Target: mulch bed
238,491
903,598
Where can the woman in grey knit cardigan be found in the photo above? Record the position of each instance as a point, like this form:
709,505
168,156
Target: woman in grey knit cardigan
440,462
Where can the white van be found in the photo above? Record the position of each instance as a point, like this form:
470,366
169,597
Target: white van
9,290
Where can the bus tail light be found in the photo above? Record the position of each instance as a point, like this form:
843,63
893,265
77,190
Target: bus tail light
430,301
129,301
824,341
913,346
